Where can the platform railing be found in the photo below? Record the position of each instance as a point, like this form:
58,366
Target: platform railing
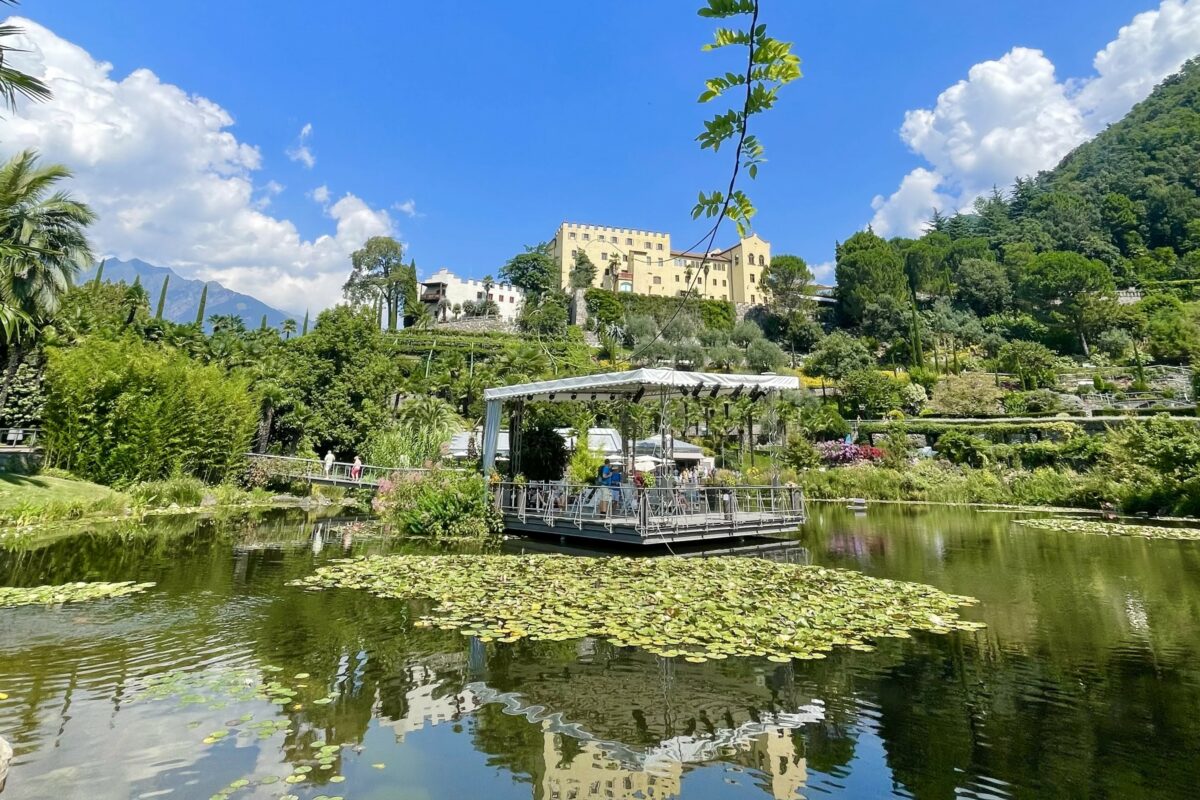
740,510
24,436
339,472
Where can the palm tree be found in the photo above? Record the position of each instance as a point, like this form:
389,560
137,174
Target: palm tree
443,307
271,396
42,248
14,83
227,323
429,422
289,327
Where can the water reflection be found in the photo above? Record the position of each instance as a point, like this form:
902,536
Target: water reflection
1085,682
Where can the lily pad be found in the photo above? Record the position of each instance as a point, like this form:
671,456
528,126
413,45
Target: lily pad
67,593
694,608
1101,528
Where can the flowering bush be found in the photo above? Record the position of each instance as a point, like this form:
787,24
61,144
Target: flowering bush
440,503
840,454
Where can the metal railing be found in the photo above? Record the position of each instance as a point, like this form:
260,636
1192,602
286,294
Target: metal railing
20,437
650,511
339,472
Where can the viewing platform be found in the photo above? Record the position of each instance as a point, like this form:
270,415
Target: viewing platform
649,516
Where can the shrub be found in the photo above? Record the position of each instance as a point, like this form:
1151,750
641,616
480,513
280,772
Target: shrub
438,504
182,490
800,454
585,462
958,447
870,392
969,394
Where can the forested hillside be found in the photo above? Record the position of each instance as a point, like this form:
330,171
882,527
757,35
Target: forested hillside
1042,261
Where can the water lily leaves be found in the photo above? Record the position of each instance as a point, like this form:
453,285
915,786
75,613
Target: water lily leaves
697,609
79,592
1102,528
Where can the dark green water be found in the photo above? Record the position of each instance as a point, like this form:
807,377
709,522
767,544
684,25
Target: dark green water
1085,684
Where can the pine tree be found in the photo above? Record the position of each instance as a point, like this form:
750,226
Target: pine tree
162,297
200,310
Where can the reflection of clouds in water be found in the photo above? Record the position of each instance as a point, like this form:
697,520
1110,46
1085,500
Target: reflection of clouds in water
79,763
1135,612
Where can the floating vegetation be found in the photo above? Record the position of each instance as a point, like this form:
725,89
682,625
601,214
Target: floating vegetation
1095,526
67,593
696,608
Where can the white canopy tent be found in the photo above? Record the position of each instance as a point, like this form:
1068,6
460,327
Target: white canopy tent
632,386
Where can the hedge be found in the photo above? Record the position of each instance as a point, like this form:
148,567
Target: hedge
995,432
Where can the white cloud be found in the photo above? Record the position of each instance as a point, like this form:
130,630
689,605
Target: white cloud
1013,117
320,194
907,209
300,151
172,185
823,273
408,208
1151,47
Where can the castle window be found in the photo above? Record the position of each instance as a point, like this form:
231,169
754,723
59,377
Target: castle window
586,236
658,280
604,256
628,241
571,235
761,262
658,246
752,277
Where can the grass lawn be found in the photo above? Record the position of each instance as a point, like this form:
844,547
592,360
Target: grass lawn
24,491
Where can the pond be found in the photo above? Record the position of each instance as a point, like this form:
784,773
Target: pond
222,681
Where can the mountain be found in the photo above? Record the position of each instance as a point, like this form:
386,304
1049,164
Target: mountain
183,294
1140,178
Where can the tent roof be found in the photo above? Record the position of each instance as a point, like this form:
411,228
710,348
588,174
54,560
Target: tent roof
631,384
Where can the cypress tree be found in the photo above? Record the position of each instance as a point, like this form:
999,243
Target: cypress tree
304,330
200,310
263,325
162,297
100,271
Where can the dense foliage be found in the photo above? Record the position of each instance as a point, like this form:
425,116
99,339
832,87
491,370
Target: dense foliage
120,412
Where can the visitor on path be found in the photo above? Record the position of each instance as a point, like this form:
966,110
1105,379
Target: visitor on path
356,469
328,462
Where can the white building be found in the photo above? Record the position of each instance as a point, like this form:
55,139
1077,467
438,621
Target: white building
458,292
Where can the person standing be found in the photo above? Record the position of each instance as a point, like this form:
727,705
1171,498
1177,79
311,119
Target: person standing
356,469
328,462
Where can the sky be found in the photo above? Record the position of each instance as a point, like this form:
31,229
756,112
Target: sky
259,144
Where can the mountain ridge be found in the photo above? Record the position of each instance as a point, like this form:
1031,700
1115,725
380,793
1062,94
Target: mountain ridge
183,294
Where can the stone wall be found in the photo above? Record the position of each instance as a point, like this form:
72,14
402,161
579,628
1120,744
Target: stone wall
477,325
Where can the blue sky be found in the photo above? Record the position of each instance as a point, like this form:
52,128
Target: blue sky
494,122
